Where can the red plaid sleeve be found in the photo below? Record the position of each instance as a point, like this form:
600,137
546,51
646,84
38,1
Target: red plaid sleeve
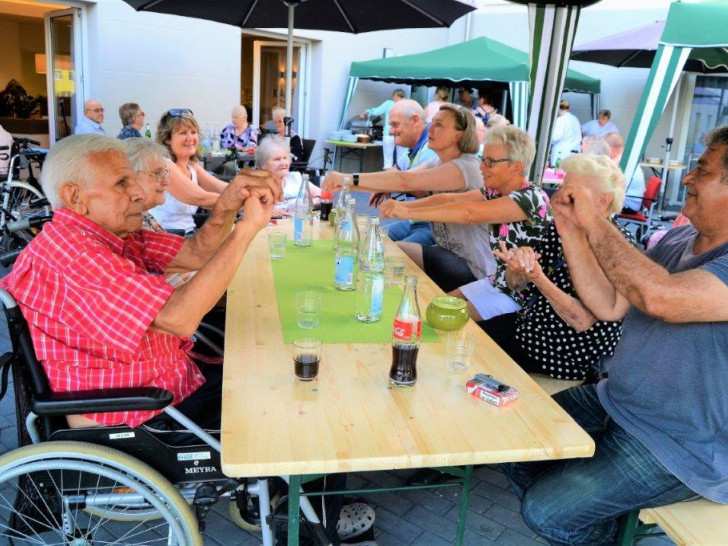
108,300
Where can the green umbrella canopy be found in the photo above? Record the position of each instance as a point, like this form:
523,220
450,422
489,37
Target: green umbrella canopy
467,63
698,24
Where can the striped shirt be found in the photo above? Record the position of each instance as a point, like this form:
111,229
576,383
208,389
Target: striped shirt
89,298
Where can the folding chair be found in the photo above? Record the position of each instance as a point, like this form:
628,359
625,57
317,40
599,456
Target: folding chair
644,218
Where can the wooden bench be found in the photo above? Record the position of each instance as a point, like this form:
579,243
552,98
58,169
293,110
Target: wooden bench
699,523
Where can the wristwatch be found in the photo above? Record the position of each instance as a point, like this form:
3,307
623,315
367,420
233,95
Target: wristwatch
356,179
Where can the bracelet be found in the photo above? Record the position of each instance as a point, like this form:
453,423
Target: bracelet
356,179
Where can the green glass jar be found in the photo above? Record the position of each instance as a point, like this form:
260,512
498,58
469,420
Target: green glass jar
447,313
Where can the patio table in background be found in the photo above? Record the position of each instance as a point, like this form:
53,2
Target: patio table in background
358,149
351,418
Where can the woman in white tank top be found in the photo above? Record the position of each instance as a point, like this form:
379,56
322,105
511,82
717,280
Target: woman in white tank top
190,186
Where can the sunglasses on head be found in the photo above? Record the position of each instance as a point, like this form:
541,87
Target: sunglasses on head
177,112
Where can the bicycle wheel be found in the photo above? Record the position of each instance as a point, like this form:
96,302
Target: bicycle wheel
17,204
45,490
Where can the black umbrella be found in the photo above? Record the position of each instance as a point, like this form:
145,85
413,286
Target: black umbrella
341,15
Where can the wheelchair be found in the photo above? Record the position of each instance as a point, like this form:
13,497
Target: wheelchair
104,485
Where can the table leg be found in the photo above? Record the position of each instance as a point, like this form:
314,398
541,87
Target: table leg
294,504
361,159
463,513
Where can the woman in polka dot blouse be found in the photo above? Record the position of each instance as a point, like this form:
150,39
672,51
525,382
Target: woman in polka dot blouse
554,333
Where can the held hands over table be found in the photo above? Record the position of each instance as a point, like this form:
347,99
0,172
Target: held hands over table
392,208
333,182
520,260
258,208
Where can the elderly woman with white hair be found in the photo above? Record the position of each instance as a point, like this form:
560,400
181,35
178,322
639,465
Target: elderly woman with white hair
295,143
274,156
554,333
240,134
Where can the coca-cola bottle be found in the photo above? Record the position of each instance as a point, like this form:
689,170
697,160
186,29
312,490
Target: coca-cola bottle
346,258
406,337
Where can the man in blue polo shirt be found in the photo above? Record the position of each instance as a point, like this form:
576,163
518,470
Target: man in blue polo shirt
409,129
660,419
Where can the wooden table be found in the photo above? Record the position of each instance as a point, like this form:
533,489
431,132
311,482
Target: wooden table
358,149
351,418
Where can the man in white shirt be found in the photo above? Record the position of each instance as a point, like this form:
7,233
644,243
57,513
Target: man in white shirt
566,136
636,186
93,117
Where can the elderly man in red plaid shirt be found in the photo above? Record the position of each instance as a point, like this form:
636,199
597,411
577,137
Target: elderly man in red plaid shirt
92,289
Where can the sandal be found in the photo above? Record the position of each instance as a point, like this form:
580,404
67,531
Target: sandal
355,519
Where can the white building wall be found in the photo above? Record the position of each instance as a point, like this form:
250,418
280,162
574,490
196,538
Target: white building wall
161,62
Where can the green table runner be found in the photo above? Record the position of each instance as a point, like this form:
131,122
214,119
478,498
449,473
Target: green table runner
312,268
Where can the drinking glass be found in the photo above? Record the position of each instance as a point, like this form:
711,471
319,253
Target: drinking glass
393,271
306,357
277,245
460,347
308,309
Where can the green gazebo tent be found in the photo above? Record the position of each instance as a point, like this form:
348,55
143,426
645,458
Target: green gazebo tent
689,25
468,63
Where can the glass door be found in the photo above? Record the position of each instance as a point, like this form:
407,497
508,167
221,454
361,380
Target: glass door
269,82
63,48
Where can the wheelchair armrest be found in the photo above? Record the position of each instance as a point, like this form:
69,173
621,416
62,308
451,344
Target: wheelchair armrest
100,401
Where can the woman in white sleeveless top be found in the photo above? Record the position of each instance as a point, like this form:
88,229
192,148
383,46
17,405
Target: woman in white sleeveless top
190,186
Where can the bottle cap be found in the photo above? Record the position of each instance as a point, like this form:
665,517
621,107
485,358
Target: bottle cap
326,195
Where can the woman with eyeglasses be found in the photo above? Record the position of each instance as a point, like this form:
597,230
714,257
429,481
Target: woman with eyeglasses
462,252
190,186
132,119
513,209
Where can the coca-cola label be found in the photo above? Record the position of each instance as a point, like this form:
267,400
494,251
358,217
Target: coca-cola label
407,331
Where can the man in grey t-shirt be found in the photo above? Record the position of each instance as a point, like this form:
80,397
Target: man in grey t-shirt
660,419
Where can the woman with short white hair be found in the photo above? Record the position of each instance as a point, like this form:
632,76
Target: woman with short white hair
295,143
274,156
554,333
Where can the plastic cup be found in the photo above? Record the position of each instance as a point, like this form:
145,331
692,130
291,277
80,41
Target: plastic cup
394,271
460,348
308,309
277,245
306,358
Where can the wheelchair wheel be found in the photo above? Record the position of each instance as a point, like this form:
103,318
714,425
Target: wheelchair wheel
46,491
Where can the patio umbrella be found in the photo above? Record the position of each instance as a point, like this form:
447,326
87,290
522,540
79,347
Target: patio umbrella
353,16
552,28
639,48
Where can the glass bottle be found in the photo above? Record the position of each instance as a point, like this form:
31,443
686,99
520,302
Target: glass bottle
370,279
406,335
340,208
215,139
303,215
346,252
207,138
148,132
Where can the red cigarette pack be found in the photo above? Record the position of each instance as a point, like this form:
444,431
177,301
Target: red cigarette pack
490,392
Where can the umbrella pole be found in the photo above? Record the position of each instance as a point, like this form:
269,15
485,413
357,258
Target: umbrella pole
289,58
668,146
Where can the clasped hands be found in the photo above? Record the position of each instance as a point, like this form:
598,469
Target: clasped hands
520,260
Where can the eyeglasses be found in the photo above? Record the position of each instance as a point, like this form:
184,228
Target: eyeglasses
489,161
97,109
160,176
177,112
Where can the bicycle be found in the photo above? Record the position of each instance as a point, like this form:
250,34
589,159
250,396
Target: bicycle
21,199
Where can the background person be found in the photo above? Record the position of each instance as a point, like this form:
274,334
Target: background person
295,142
190,186
93,117
636,186
274,156
566,134
132,120
554,333
442,96
466,99
462,252
383,110
600,126
485,107
239,133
